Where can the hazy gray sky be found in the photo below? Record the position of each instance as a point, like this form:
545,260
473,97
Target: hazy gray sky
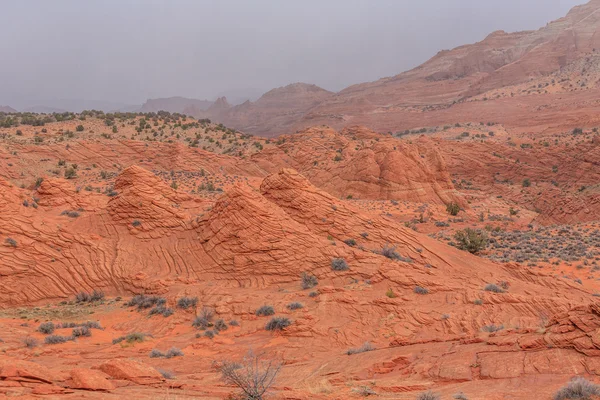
129,50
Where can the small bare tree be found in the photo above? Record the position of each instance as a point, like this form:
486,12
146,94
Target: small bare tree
254,376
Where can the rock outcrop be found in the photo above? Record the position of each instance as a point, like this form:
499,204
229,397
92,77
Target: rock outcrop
362,164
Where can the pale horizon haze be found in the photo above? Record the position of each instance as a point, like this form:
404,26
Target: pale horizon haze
122,52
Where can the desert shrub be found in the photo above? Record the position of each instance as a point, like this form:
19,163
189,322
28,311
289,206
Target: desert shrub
491,287
390,252
295,306
11,242
204,320
278,324
390,293
209,334
471,240
70,173
136,223
265,311
38,183
46,328
234,322
81,331
134,337
460,396
85,297
367,346
309,281
187,302
350,242
421,290
492,328
57,339
453,209
578,388
141,301
253,377
70,214
428,395
155,353
87,324
79,128
364,391
526,182
339,264
220,325
166,374
174,352
30,342
313,294
92,324
161,310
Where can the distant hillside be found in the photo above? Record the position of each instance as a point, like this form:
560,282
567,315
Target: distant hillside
7,109
44,110
506,78
175,104
272,111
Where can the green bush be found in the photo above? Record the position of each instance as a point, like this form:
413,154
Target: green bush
70,173
453,209
471,240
